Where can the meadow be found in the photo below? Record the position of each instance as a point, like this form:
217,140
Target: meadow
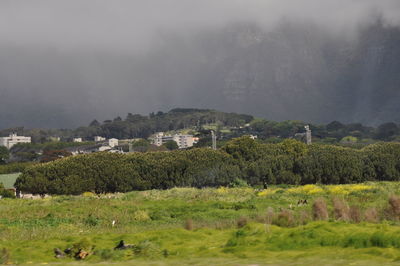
281,225
8,180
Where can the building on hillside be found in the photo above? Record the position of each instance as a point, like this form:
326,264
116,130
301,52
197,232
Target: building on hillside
183,141
253,136
13,139
77,140
157,139
54,139
105,148
83,149
99,138
110,145
113,142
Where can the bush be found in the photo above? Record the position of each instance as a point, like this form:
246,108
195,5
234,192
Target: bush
304,217
269,216
284,219
147,249
105,254
319,210
241,222
141,216
189,225
241,162
5,256
106,172
394,207
4,193
371,215
88,194
238,183
91,220
355,214
341,210
11,168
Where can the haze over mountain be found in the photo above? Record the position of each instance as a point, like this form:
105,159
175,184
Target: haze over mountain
64,63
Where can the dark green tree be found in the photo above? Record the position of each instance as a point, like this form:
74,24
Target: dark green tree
4,154
171,145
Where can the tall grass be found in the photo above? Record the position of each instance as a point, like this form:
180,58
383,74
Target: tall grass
224,222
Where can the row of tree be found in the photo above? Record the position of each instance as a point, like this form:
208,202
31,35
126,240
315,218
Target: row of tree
289,162
142,126
333,132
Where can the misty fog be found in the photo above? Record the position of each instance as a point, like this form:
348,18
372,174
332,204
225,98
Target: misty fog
64,63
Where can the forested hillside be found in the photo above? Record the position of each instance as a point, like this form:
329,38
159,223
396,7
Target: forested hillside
199,122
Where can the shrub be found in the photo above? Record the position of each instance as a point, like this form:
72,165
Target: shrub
92,220
341,209
241,162
371,215
238,182
241,222
355,214
106,254
304,217
147,248
269,217
141,216
7,193
88,194
284,219
394,207
5,256
319,210
189,224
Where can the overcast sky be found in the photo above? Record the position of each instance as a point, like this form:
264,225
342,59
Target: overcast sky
131,24
74,60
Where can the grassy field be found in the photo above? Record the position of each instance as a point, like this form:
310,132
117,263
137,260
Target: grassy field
224,226
8,180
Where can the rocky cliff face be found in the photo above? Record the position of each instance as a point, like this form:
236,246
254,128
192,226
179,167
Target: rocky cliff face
300,71
293,71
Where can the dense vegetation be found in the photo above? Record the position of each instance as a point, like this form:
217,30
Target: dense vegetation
14,167
199,121
213,226
140,126
242,159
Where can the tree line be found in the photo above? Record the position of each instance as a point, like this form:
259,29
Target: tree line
257,164
142,126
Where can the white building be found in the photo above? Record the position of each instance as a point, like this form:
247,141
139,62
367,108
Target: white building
98,138
113,142
159,139
183,141
105,148
77,140
13,139
253,136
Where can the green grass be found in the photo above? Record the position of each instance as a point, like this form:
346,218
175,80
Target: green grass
8,180
155,222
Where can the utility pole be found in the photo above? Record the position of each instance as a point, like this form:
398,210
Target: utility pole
308,134
130,147
214,140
